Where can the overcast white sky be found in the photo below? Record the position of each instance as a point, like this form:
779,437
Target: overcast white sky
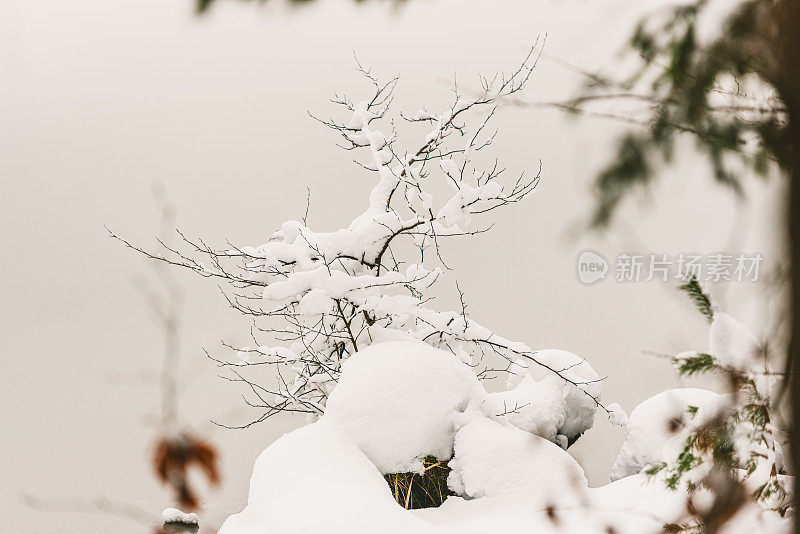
102,99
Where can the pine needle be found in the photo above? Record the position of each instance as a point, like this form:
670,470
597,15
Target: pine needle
699,297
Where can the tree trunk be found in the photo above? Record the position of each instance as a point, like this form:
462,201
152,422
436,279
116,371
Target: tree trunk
794,343
787,81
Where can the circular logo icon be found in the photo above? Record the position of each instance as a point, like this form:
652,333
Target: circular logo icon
592,267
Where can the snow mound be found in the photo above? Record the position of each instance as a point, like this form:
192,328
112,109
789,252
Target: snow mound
648,439
541,402
315,479
400,401
496,461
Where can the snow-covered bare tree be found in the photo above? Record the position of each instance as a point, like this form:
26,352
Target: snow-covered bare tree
319,297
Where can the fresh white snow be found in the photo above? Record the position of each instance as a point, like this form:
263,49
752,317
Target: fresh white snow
545,404
504,463
173,515
398,401
648,431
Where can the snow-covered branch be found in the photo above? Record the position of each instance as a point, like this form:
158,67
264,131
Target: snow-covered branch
330,294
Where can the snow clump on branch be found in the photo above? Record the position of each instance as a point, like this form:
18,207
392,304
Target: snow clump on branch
319,297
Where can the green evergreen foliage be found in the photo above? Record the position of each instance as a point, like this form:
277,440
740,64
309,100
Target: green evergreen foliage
699,297
655,469
696,364
683,78
725,439
686,461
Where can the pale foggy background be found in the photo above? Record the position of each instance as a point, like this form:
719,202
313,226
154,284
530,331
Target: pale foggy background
100,100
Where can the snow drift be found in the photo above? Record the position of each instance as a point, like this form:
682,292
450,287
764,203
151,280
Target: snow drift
648,438
399,401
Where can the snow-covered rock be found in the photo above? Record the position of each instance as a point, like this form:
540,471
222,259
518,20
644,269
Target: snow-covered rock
400,401
648,437
315,479
395,403
502,462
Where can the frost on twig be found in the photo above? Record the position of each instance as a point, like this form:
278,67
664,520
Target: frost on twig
318,297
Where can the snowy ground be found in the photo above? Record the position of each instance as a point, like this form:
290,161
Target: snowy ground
400,401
